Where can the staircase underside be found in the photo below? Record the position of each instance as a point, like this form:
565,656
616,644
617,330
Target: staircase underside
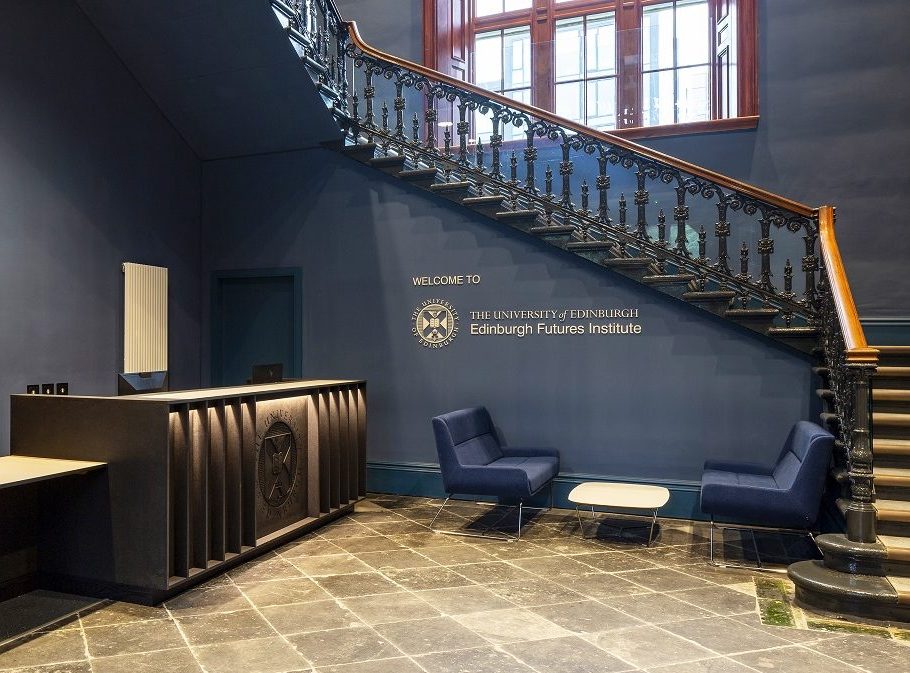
872,579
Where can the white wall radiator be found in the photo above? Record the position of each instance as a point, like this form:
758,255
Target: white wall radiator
144,318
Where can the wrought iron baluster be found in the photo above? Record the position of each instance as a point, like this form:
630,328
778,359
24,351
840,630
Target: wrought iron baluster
513,169
355,116
369,92
641,201
399,111
788,281
386,142
810,266
702,245
622,221
584,198
548,182
744,273
415,129
495,144
722,231
429,118
462,130
765,249
603,185
478,155
566,168
661,241
681,215
530,156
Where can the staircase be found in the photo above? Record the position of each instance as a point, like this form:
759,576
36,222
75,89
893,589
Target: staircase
678,232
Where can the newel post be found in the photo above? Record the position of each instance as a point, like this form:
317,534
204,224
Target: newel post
861,512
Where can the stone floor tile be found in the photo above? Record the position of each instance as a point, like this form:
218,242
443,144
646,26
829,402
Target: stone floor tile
42,610
794,659
719,600
601,586
395,559
510,626
397,665
478,660
309,547
307,617
457,554
223,627
586,616
343,646
613,561
869,653
400,527
44,648
459,600
171,661
427,578
285,592
69,667
266,655
387,608
330,564
356,545
657,608
552,566
534,592
439,634
792,635
360,584
490,572
120,613
202,600
716,665
567,655
718,575
648,646
724,635
269,567
422,540
347,528
377,515
664,579
507,551
104,641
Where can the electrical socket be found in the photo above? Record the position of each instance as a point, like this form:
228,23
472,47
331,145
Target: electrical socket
32,389
63,388
47,388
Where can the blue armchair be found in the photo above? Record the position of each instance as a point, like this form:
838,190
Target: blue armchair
785,496
474,462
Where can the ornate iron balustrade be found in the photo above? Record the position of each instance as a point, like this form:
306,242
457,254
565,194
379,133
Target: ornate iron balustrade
438,123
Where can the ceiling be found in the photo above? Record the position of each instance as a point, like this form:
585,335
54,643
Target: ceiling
222,71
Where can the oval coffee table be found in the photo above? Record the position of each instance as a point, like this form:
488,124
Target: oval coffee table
619,496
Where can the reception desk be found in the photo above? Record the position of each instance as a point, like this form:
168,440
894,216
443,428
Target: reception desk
195,481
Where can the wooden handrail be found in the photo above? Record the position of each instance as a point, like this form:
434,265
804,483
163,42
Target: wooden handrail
717,178
858,351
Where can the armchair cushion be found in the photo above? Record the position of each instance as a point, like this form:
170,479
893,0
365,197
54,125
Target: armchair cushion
538,470
525,451
733,466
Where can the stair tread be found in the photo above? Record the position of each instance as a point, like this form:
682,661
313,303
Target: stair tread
488,199
901,586
669,278
627,261
890,445
516,213
893,372
893,350
752,312
793,331
708,295
817,576
891,476
890,418
892,471
895,542
417,171
891,395
446,186
901,507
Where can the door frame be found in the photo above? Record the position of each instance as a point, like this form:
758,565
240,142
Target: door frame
295,273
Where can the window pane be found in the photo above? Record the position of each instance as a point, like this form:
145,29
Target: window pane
569,59
510,131
487,7
694,103
569,103
692,40
488,60
483,127
601,45
602,104
657,37
512,5
516,56
658,106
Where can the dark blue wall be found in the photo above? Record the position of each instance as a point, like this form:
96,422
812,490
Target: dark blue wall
835,123
91,175
648,406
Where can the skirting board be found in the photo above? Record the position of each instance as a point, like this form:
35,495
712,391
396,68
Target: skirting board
425,480
887,331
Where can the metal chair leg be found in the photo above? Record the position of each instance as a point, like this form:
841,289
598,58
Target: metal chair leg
448,497
755,547
551,497
520,506
581,525
651,533
711,538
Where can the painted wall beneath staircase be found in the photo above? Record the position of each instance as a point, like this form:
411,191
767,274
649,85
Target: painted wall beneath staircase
835,123
651,406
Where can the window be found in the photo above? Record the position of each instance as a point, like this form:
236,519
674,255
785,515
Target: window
644,66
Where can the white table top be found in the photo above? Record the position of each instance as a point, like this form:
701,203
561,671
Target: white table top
18,470
627,496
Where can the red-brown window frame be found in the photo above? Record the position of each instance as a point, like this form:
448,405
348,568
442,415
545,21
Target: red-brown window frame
443,15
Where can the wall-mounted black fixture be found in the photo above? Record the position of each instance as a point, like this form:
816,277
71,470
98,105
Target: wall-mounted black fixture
63,388
47,388
33,389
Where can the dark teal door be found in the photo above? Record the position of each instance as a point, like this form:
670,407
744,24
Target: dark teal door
256,317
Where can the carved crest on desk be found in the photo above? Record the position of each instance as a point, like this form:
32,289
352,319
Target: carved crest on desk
280,465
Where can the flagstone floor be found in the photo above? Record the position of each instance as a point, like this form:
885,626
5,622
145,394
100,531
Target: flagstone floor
377,592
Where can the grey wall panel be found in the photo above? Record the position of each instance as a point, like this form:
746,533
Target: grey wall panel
91,175
655,405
